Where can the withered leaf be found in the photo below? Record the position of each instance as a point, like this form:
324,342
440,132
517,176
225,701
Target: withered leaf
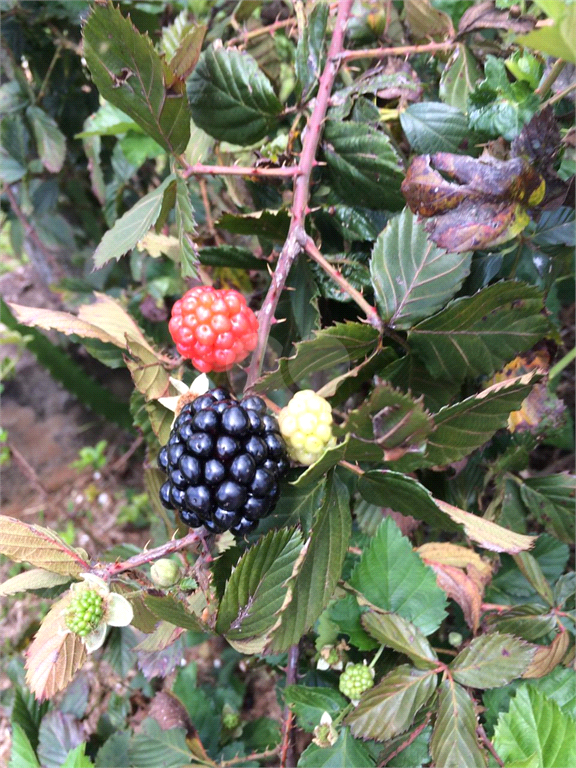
485,205
540,142
486,16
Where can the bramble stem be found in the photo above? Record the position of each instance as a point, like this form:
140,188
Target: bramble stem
287,750
370,311
488,744
149,556
296,239
200,169
550,79
399,50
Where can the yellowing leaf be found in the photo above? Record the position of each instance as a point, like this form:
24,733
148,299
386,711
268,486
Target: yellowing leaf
55,654
109,315
486,533
484,205
39,546
35,578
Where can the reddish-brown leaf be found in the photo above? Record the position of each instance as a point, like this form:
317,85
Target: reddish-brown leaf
485,16
485,204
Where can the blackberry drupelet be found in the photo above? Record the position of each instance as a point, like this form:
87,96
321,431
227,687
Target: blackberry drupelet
223,460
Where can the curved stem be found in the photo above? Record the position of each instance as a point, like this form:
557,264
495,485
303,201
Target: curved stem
148,556
296,240
399,50
370,311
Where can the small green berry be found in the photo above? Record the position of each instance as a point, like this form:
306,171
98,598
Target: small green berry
84,612
165,573
355,679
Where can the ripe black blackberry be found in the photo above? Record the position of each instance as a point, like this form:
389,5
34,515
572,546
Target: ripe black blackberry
223,459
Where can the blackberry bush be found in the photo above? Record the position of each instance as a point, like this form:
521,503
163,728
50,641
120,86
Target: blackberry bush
223,459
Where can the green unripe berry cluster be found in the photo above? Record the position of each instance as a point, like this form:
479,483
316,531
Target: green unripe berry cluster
85,612
306,426
355,679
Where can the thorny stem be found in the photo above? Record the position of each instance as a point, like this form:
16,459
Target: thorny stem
296,240
399,50
558,96
287,749
199,169
248,758
415,733
370,311
148,556
267,30
488,744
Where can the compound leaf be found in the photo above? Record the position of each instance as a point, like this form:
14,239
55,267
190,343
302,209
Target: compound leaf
454,741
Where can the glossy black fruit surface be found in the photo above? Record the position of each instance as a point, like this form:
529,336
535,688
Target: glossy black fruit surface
223,461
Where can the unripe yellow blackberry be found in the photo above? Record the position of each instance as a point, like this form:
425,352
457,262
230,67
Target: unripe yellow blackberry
306,426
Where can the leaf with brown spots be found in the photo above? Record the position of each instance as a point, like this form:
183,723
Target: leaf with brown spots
486,204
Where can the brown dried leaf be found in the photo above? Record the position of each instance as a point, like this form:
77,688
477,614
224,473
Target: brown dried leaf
55,654
110,316
485,204
548,656
462,589
455,555
485,16
147,372
39,546
169,712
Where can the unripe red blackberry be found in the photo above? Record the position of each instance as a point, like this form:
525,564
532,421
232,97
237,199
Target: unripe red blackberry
224,460
213,328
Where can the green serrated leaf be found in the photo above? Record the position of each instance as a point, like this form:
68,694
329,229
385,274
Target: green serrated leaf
431,126
114,752
465,426
309,704
390,575
230,98
551,500
393,631
412,277
120,650
530,621
77,758
50,140
298,505
491,661
321,566
391,418
351,449
340,343
454,742
186,225
311,51
479,334
346,614
130,74
268,225
533,573
405,495
132,226
411,375
459,78
232,256
390,707
174,611
347,752
22,753
257,587
559,686
363,166
535,724
152,747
